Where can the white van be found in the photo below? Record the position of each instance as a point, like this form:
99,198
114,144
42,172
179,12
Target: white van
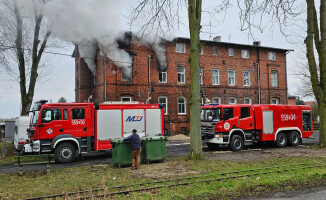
21,126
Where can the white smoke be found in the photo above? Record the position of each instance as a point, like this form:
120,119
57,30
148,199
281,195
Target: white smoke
87,23
92,24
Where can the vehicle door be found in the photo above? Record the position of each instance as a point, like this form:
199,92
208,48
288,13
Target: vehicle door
78,125
246,118
51,123
66,120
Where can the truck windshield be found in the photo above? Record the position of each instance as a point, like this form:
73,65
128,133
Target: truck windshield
211,114
35,112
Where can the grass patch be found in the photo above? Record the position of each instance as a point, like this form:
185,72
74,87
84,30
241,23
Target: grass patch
13,186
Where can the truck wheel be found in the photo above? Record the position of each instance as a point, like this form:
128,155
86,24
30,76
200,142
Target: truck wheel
281,140
294,138
236,143
65,153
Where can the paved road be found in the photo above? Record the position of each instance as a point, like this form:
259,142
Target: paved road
174,148
308,194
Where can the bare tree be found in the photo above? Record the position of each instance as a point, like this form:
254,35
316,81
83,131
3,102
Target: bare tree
22,41
162,15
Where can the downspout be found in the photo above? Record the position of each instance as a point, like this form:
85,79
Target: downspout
286,78
149,79
258,74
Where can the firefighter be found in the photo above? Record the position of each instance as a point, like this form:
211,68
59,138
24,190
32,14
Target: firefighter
135,148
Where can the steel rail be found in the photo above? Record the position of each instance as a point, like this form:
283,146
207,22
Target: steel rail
161,181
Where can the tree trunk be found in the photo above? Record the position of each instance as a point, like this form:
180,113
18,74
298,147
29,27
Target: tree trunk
314,41
194,12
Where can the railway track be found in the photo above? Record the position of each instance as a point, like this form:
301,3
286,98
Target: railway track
167,183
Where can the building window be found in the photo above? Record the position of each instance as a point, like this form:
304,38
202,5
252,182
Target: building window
164,101
274,78
181,75
232,100
231,52
181,105
201,50
231,77
201,75
215,51
180,47
245,54
271,56
215,76
247,100
246,78
275,101
216,100
126,99
126,73
162,76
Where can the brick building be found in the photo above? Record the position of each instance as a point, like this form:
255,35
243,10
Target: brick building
231,73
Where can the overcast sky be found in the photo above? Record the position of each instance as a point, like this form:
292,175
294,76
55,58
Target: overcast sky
60,81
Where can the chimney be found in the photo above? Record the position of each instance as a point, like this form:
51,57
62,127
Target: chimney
217,39
256,43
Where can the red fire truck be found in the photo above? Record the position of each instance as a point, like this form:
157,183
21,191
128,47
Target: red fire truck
237,125
70,129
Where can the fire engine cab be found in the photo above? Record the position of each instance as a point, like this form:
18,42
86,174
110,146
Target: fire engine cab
238,125
70,129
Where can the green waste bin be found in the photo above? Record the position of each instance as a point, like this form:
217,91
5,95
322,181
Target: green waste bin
121,152
153,148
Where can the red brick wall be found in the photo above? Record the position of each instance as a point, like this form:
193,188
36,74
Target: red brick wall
138,87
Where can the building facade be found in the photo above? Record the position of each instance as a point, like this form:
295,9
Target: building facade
230,73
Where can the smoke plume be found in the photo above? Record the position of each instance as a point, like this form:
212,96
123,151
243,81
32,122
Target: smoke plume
89,24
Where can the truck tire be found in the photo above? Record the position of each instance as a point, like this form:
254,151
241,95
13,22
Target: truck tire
294,138
65,153
281,140
236,143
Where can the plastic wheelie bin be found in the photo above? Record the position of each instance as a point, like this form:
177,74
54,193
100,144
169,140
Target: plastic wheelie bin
121,152
153,148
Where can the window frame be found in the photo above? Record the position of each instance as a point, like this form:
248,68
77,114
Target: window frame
201,50
244,100
244,71
219,99
242,54
215,50
52,118
235,100
271,53
185,105
130,97
274,80
241,112
181,73
179,44
277,101
231,52
125,79
163,72
166,103
231,70
218,76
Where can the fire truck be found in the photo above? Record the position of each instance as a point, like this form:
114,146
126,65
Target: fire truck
70,129
239,125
